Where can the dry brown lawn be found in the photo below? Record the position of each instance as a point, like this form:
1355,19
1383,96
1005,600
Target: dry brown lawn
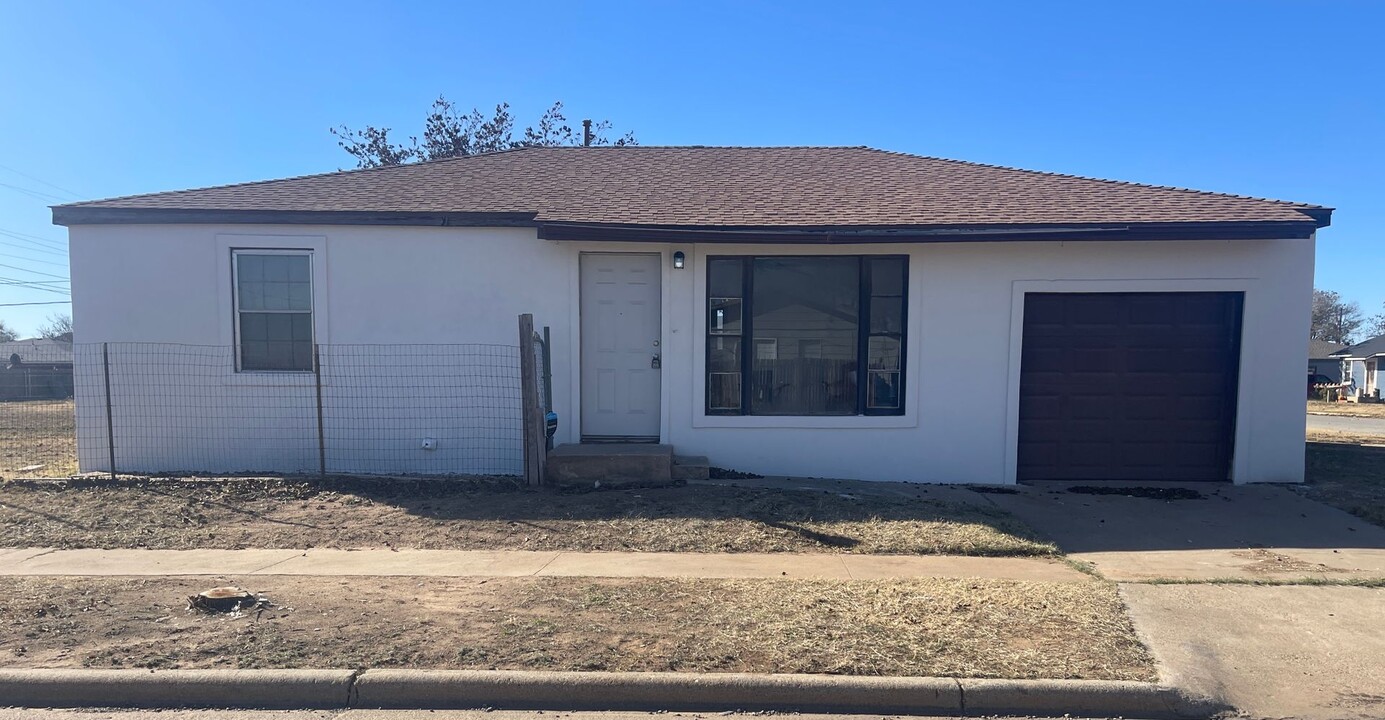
1348,472
172,513
1370,410
37,432
964,628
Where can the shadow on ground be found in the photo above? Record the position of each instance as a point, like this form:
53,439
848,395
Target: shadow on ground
474,513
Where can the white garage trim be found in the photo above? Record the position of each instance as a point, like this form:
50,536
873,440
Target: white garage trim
1244,388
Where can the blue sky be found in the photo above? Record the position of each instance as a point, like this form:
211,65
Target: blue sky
1274,99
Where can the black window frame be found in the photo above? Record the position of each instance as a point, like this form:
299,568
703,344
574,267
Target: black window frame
863,336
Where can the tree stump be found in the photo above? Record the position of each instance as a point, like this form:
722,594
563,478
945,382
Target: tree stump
223,600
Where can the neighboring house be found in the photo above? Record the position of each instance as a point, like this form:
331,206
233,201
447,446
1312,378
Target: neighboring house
1362,365
780,310
36,369
1321,361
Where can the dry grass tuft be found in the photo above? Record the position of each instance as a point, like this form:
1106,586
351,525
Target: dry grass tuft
940,627
1369,410
461,514
38,432
1348,473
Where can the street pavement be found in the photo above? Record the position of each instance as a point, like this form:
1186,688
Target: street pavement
1347,424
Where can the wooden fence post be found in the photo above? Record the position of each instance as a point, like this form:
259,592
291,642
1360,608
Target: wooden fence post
531,411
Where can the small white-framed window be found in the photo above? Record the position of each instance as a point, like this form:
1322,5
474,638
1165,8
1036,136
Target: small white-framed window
273,292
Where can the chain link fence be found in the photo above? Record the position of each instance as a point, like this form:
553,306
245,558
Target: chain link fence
140,408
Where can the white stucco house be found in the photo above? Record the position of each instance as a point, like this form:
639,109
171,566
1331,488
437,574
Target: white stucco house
793,310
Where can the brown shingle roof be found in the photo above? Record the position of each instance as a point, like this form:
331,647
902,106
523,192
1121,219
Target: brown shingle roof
776,187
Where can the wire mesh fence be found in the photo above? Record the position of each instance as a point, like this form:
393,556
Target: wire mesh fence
167,408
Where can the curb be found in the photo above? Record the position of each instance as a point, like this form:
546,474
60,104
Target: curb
538,690
530,690
259,689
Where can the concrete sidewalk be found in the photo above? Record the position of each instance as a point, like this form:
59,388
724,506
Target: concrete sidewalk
1301,652
522,563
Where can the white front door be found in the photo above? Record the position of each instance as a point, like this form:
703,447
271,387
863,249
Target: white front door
620,311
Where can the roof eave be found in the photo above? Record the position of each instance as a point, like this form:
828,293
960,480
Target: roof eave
834,235
69,215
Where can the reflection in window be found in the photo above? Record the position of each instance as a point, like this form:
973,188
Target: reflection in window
820,335
274,310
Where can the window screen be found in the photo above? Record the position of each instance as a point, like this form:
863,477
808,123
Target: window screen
274,310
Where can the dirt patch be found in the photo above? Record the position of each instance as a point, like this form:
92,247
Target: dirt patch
1368,410
1267,562
1153,493
40,433
964,628
716,473
1347,475
473,515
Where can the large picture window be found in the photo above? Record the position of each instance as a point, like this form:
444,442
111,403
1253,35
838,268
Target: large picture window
820,335
274,310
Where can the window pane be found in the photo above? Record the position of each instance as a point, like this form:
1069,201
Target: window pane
724,391
250,294
883,390
724,354
724,278
276,341
724,316
886,315
805,304
887,276
883,353
252,327
273,282
250,267
725,308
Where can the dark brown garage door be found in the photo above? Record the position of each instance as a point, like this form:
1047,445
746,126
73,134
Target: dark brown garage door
1128,386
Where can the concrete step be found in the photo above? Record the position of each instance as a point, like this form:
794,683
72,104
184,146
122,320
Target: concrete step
690,467
610,465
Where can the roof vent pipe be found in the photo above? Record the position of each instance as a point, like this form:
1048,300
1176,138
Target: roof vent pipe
586,133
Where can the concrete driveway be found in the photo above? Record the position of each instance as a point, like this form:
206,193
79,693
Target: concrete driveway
1347,424
1273,652
1250,532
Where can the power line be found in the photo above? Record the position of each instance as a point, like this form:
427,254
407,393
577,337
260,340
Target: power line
36,272
21,285
21,281
55,302
64,293
39,181
34,240
29,259
33,193
33,248
27,235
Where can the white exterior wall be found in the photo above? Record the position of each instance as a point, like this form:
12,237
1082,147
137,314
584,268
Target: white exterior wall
388,285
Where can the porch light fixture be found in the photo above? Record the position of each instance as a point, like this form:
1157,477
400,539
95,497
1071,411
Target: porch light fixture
678,259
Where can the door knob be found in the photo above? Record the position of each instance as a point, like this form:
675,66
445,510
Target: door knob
655,362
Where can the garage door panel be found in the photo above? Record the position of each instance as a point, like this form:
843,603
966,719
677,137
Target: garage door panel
1145,455
1128,386
1090,407
1042,407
